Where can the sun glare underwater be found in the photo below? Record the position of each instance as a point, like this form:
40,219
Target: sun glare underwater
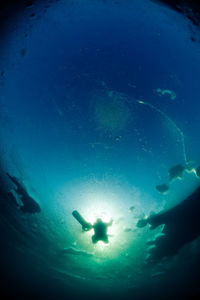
99,114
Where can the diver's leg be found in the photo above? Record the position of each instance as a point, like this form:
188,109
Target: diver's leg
105,240
94,239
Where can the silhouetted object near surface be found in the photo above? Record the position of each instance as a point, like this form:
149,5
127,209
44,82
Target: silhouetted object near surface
29,204
100,231
163,188
85,225
100,227
176,172
182,225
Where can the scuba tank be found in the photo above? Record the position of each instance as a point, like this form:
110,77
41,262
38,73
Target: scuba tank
86,226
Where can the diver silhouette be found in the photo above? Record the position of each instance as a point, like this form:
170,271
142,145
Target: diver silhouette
100,231
100,228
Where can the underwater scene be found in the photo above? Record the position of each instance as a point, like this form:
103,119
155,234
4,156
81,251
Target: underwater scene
100,152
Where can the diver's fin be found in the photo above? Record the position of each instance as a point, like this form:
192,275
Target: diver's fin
85,225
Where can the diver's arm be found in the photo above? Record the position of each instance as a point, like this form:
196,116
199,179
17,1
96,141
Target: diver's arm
110,223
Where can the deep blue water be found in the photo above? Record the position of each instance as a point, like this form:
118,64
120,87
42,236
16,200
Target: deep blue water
74,127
